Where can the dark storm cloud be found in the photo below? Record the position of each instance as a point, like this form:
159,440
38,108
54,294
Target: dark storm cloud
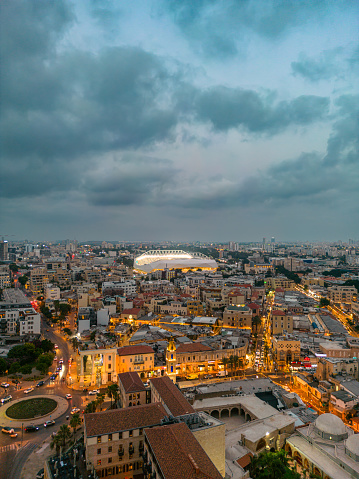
229,108
311,177
314,69
218,28
133,180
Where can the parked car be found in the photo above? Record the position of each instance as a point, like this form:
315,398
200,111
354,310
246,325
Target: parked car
207,376
31,428
93,392
56,346
13,434
6,399
28,390
49,423
68,396
5,385
40,383
75,410
7,430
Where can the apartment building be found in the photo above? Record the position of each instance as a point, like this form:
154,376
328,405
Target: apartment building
139,358
189,461
342,403
122,288
281,322
30,323
237,317
342,294
328,368
114,439
132,391
5,281
38,280
280,282
52,292
195,308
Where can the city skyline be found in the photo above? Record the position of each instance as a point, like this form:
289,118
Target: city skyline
157,120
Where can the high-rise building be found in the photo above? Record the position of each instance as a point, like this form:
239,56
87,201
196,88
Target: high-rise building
4,254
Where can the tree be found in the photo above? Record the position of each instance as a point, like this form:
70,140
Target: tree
90,407
56,443
75,343
111,391
85,362
272,465
68,331
14,267
23,279
64,433
74,422
324,302
93,336
305,287
225,362
64,308
3,366
100,400
256,321
47,346
57,305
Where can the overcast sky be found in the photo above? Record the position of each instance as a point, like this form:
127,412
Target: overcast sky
180,120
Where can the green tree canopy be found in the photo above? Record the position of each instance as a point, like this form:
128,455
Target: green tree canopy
272,465
324,302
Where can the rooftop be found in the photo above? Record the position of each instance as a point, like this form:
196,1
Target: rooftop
130,350
131,382
115,420
187,458
192,348
171,396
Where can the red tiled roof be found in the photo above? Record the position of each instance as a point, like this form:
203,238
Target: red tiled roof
172,397
278,313
115,420
253,306
139,349
245,460
179,454
279,290
131,382
192,348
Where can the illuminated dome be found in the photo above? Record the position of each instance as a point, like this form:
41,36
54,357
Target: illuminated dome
329,426
172,259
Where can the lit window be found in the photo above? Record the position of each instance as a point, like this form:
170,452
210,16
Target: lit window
99,462
98,439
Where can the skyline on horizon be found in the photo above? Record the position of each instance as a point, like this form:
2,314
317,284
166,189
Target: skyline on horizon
156,120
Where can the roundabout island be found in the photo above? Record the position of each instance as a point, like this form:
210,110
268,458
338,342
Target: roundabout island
31,408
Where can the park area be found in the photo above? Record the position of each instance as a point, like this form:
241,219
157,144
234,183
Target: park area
31,408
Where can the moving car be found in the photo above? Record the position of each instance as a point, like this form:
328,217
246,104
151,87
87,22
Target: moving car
49,423
5,385
29,390
40,383
31,428
6,399
7,430
75,410
68,396
52,378
56,346
93,392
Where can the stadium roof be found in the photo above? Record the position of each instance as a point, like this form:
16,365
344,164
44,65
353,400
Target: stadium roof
172,259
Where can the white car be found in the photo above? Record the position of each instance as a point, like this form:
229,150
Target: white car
75,410
93,392
5,385
68,396
29,390
6,399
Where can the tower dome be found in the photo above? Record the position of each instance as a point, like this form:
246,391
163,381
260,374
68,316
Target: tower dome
352,447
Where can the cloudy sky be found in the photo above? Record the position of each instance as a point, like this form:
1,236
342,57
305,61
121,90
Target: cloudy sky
180,120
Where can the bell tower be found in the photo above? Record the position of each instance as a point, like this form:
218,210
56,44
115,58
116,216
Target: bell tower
171,360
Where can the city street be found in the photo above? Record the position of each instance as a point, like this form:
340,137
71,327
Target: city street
12,455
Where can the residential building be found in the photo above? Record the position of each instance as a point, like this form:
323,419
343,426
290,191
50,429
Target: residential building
98,366
173,451
279,282
5,281
30,323
342,294
114,439
139,358
132,391
237,317
329,367
52,292
195,308
121,288
342,403
281,322
285,351
38,280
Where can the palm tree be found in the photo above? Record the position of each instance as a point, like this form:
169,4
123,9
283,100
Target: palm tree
64,433
75,421
75,343
90,407
256,321
100,400
235,362
111,391
56,443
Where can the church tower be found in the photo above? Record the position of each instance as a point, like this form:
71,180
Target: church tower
171,360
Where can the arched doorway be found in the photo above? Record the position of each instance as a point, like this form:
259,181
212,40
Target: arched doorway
288,450
316,471
234,411
224,413
306,464
215,414
261,444
298,458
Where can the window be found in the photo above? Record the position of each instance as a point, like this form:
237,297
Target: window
141,431
109,358
109,460
120,435
110,437
110,449
98,439
99,462
98,451
130,433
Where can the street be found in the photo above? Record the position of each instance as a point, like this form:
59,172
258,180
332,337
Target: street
12,455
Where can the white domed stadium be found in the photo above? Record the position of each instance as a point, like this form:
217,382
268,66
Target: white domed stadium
172,259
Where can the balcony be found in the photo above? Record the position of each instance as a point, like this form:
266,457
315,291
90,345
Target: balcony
121,452
131,450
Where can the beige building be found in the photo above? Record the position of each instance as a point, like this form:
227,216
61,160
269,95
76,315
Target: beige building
341,294
281,322
38,280
285,351
132,391
4,277
139,358
98,367
280,282
237,317
335,350
328,368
